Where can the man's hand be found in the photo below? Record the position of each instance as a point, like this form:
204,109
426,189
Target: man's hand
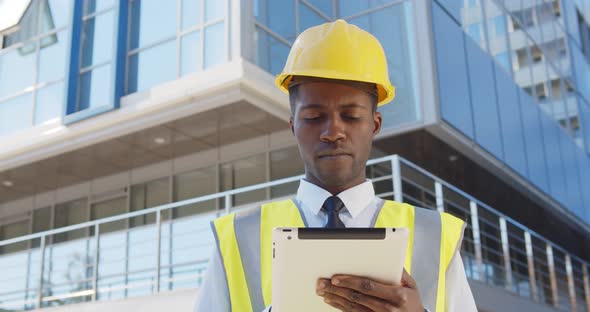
352,293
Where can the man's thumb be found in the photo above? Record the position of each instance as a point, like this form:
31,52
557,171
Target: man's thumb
407,280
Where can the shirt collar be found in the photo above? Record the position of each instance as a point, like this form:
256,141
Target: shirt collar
356,198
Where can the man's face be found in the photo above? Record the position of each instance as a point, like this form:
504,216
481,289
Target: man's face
334,125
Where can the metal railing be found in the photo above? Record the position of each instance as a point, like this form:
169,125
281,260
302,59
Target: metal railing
103,259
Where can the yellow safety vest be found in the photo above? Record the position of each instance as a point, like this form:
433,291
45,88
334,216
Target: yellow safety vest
244,241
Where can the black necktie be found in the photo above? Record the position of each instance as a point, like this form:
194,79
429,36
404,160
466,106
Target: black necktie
332,206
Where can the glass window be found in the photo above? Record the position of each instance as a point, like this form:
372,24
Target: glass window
108,208
574,199
271,53
148,195
42,219
194,184
214,10
16,114
474,31
52,57
152,22
97,32
190,53
12,230
17,69
584,170
348,8
324,6
483,100
552,146
58,12
191,13
27,26
95,88
69,213
533,141
510,121
215,45
245,172
278,16
92,6
450,59
285,163
454,8
152,66
49,104
308,17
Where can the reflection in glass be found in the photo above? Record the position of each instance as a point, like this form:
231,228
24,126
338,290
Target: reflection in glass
151,22
191,13
68,213
49,103
97,39
194,184
52,58
215,45
16,71
152,66
214,10
278,16
190,53
108,208
308,18
95,87
244,172
271,53
16,114
148,195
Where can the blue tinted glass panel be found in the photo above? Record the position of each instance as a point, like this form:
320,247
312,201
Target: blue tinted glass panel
190,53
450,61
533,140
582,71
49,104
16,114
152,22
552,148
52,57
584,169
500,25
584,112
215,47
474,31
347,8
214,10
17,70
325,6
571,19
483,100
97,39
279,16
308,18
271,53
392,26
192,11
452,6
568,154
510,122
91,6
56,14
152,66
95,88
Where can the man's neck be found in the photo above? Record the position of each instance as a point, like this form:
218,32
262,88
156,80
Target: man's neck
336,189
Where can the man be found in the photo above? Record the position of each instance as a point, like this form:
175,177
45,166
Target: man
336,76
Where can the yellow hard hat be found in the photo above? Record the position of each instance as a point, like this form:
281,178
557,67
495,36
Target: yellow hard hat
338,50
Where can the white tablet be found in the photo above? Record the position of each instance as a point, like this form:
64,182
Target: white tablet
302,255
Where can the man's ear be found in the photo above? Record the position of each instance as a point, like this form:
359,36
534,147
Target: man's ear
377,121
291,125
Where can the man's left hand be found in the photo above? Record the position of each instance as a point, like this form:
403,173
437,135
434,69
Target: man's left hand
352,293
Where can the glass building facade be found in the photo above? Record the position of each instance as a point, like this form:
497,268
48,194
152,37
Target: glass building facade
511,78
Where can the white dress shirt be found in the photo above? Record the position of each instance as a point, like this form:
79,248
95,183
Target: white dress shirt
361,208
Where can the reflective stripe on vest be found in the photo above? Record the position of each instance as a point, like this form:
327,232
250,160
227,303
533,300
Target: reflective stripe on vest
249,278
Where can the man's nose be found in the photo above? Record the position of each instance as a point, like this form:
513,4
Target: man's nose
333,130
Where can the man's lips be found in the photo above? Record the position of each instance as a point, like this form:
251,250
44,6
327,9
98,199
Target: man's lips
334,155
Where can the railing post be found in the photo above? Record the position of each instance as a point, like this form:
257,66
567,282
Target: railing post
227,204
440,198
586,285
570,283
506,253
396,176
41,268
95,268
531,264
552,280
476,240
158,249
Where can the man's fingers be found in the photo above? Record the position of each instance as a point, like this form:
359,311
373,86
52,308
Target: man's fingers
373,303
407,280
363,285
344,304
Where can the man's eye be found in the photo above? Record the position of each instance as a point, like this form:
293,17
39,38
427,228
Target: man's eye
352,117
311,118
